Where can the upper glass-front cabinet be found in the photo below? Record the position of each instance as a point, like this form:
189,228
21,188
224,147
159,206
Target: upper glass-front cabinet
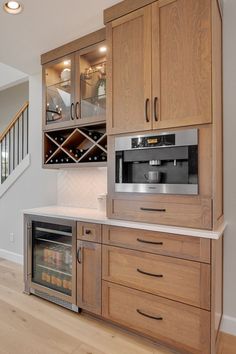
75,88
92,78
59,92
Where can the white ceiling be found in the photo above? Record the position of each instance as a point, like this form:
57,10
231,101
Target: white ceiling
45,25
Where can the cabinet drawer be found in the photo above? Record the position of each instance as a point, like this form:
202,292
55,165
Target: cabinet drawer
196,215
193,248
176,279
89,232
184,327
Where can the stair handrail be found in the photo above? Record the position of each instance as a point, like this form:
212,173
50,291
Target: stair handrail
13,121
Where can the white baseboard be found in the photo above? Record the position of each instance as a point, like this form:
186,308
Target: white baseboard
228,325
11,256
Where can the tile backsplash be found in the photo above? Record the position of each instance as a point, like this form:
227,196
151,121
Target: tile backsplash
81,187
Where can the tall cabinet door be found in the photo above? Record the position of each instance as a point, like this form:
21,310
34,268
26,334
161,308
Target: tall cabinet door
129,73
181,62
89,276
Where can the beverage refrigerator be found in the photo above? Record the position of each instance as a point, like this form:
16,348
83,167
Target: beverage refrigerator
50,259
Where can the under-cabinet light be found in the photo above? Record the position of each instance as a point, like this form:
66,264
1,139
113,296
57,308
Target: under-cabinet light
103,49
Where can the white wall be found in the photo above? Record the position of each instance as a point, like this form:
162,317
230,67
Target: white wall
230,164
11,101
36,187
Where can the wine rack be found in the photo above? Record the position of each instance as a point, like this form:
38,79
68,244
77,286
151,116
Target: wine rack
75,147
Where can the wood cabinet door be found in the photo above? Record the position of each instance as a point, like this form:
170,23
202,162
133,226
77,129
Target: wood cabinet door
89,276
181,62
129,73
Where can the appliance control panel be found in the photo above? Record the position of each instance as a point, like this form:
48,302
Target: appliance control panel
153,141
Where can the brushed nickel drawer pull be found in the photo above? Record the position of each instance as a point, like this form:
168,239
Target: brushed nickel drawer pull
150,274
150,209
149,316
150,242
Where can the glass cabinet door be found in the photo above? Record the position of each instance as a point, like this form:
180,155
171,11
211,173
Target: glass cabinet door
52,256
92,83
59,87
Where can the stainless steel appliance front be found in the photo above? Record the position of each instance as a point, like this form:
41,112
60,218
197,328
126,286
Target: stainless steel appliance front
162,163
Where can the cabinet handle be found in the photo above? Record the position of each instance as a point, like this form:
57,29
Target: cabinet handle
71,111
150,209
79,255
158,318
77,110
150,274
150,242
88,232
156,109
146,110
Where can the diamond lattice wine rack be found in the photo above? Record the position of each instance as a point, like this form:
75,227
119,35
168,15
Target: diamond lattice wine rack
76,147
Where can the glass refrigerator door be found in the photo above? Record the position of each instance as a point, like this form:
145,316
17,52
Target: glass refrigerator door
52,256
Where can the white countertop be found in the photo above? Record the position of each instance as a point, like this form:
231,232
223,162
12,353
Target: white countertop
98,217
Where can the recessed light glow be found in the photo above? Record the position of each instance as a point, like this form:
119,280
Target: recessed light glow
103,49
67,62
13,7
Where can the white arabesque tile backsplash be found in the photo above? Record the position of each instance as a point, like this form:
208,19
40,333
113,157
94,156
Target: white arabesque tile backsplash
81,187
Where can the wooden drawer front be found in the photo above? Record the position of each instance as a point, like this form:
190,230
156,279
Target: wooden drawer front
184,327
186,247
89,232
177,279
187,215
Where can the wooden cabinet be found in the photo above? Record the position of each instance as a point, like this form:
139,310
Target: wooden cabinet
129,72
159,67
89,276
89,232
192,248
75,88
181,59
180,280
74,103
184,327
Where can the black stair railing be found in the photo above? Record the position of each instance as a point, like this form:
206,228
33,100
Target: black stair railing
14,143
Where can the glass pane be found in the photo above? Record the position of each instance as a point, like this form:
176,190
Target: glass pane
52,256
93,83
58,92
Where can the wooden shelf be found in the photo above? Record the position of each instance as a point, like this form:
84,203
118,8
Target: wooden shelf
76,147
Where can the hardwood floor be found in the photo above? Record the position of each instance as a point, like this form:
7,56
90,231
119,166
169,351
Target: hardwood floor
29,325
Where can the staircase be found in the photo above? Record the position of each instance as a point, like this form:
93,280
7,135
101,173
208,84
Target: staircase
14,143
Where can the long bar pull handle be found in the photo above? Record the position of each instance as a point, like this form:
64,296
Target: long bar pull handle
150,242
71,111
79,255
146,110
156,109
157,318
150,274
150,209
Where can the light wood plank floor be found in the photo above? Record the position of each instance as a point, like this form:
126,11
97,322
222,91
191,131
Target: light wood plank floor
29,325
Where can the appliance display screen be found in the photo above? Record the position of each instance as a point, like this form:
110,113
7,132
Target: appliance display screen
153,141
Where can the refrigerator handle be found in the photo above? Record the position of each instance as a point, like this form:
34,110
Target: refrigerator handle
79,255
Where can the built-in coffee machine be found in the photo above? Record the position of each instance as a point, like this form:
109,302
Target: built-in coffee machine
165,163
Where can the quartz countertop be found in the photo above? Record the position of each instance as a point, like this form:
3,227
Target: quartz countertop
98,217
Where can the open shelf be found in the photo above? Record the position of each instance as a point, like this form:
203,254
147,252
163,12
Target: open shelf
85,146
